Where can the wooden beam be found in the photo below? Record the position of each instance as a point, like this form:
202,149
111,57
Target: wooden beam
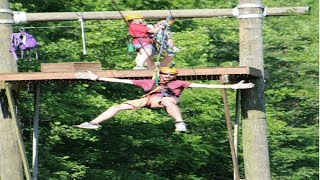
184,73
17,130
154,14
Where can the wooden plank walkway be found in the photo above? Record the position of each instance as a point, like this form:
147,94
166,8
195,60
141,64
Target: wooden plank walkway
184,74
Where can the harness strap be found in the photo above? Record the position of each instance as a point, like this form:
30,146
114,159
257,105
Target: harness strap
157,88
148,104
140,36
166,92
150,41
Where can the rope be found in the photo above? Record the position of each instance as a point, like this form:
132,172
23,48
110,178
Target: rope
82,33
156,76
164,35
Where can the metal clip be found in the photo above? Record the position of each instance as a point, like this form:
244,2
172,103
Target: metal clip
235,11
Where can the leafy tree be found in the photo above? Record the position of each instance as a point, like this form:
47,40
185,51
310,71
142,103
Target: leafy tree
142,144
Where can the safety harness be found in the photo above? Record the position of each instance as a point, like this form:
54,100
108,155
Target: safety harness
163,38
160,88
150,39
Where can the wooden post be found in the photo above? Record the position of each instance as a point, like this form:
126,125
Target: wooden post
7,63
10,158
254,128
229,128
16,128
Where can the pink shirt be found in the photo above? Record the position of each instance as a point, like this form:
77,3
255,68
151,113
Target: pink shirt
137,31
175,86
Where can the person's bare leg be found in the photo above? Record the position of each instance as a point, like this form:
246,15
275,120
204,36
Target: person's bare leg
149,63
111,112
172,109
145,58
148,59
138,57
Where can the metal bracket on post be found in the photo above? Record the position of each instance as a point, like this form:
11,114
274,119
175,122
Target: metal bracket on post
17,129
6,21
19,17
8,11
235,11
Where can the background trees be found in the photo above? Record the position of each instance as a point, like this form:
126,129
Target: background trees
142,144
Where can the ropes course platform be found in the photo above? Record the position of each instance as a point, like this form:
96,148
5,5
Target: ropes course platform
207,73
66,73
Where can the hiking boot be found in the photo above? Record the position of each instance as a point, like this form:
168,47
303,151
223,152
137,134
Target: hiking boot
181,126
88,125
139,68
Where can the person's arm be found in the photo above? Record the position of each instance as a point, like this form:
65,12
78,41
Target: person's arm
156,29
125,81
239,85
91,76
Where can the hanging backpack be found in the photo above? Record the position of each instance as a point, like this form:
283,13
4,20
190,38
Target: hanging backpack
22,41
130,48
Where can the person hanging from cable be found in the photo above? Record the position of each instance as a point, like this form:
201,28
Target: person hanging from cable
142,40
164,94
164,40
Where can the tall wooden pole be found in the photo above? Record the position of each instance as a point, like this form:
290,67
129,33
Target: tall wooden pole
10,158
7,63
254,128
148,14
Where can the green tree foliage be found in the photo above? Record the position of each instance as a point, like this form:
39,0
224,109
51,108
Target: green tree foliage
291,56
142,144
